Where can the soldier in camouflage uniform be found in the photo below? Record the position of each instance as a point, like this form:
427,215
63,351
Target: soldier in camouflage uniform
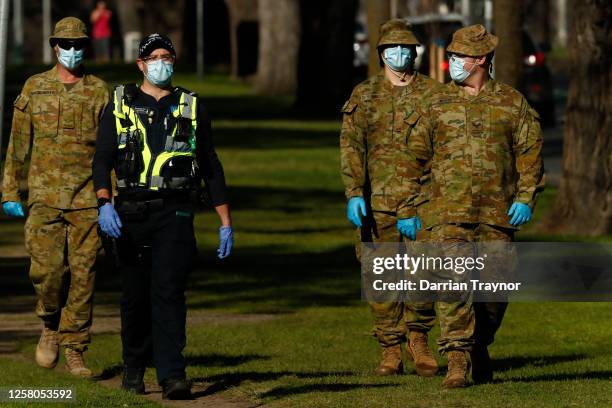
377,120
57,114
483,143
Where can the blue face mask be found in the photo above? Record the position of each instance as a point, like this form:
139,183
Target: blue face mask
457,71
398,58
71,58
160,72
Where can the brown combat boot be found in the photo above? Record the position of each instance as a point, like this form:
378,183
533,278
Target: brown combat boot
47,350
418,350
75,364
391,363
458,367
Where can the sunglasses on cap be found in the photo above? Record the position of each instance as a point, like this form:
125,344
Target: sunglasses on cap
66,44
163,57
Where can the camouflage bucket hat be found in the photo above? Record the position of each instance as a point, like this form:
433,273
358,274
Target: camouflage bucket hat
396,31
473,41
69,28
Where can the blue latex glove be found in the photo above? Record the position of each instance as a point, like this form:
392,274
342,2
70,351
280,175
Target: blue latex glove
226,242
520,213
355,208
13,209
109,221
408,226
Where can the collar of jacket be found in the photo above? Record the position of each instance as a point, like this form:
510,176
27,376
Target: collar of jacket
490,88
388,86
51,75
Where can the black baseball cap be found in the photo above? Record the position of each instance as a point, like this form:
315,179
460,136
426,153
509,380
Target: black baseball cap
154,41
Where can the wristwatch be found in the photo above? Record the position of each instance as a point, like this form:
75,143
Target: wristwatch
102,201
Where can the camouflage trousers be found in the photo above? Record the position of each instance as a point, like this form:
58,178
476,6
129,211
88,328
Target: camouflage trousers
393,320
465,322
63,245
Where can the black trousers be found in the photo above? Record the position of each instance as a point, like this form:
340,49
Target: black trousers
489,316
156,252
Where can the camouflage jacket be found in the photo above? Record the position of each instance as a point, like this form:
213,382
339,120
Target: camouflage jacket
377,120
484,152
59,127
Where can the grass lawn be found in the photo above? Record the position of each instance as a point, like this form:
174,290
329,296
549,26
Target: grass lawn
280,323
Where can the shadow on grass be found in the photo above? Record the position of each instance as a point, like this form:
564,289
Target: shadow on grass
280,392
290,201
272,139
511,363
589,375
109,372
245,107
272,278
222,360
224,381
10,339
275,277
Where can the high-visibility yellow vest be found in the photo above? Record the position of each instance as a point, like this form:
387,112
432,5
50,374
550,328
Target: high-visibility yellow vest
176,166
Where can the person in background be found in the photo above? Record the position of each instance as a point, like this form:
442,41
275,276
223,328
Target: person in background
101,32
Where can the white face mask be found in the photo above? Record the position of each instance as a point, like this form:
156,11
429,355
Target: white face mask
457,68
71,58
398,58
160,72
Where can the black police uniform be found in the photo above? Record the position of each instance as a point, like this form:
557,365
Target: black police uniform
157,245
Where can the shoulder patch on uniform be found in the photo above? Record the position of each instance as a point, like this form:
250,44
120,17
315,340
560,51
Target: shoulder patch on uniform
21,102
534,112
349,107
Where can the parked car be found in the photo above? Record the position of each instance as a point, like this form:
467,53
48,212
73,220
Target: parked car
537,81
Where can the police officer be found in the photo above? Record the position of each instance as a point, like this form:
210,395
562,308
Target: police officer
483,143
158,140
57,114
377,120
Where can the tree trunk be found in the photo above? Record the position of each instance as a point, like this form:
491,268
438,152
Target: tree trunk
166,17
509,53
584,202
153,17
129,17
279,41
537,21
379,11
326,55
239,11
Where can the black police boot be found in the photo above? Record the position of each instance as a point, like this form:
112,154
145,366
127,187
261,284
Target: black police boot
133,380
176,389
482,370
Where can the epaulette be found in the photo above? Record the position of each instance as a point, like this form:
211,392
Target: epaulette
180,90
129,92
